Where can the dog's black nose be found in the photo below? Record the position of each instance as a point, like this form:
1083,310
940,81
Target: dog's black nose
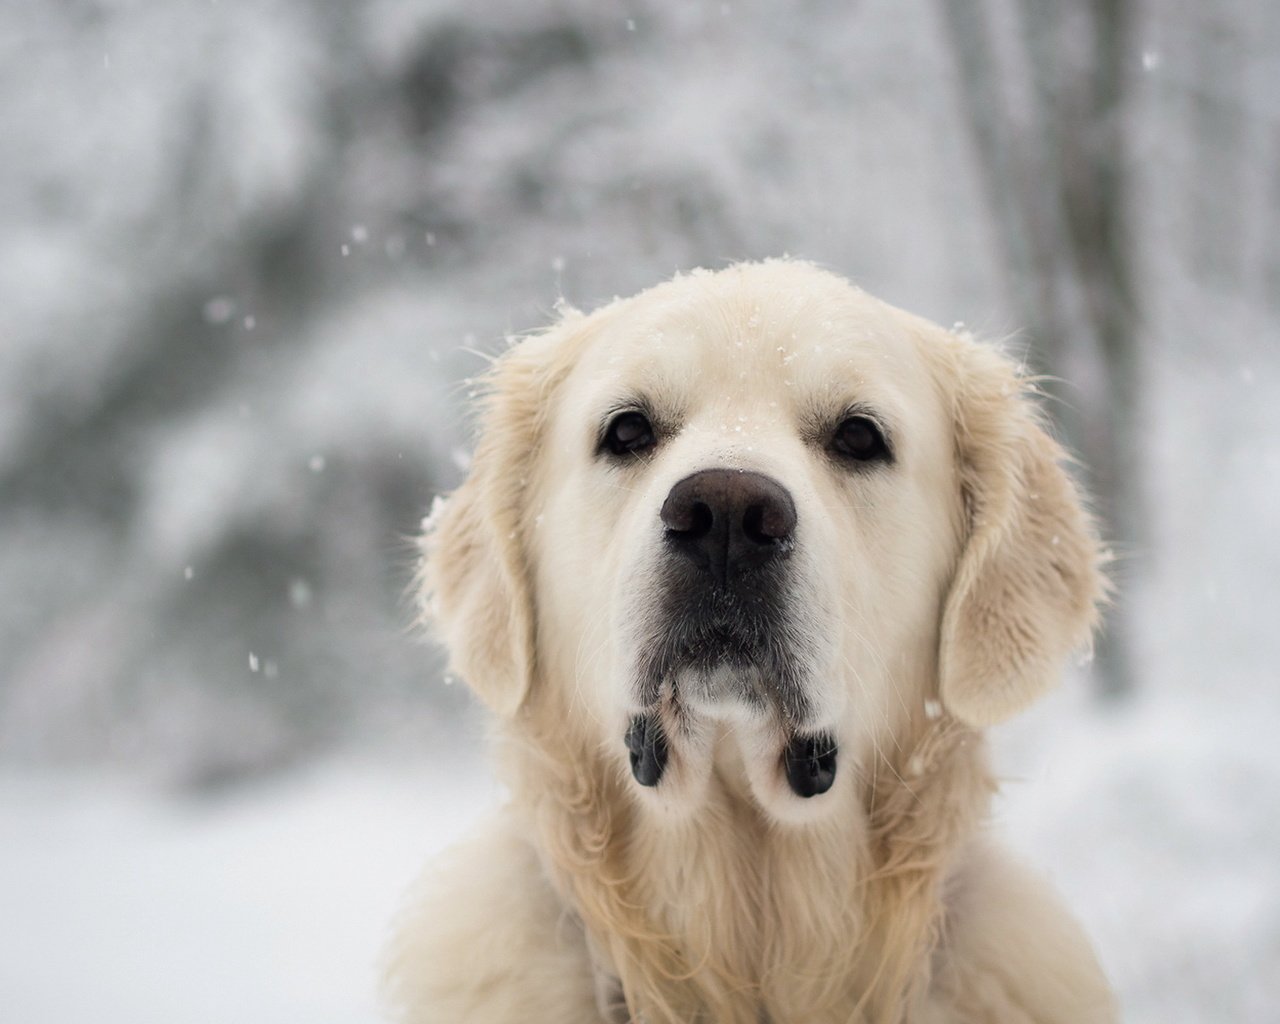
727,520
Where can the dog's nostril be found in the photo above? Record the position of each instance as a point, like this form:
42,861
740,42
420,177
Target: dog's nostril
765,524
691,518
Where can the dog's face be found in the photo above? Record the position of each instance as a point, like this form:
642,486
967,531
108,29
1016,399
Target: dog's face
746,515
749,513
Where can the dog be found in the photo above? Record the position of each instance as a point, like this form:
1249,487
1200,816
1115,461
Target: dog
743,567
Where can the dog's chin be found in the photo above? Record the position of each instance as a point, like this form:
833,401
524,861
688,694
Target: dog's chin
727,690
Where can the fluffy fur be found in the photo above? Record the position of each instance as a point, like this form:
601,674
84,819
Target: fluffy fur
940,597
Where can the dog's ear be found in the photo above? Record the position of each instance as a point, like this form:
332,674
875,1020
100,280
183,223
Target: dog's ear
475,581
1028,582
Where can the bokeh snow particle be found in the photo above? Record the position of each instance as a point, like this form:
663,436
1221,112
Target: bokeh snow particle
299,593
219,309
438,505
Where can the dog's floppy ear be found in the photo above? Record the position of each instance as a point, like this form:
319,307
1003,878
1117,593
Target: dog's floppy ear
474,580
1028,582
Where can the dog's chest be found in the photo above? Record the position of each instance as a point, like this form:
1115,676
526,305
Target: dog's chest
764,920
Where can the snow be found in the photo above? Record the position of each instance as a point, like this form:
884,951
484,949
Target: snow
1157,823
269,904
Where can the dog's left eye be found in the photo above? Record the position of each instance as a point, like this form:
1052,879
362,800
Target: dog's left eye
629,433
859,438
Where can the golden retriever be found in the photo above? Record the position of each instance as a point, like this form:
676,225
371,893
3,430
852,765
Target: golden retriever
743,567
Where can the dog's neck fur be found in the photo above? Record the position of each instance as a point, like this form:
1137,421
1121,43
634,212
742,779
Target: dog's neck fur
727,917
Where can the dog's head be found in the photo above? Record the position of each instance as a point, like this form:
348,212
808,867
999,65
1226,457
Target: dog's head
747,523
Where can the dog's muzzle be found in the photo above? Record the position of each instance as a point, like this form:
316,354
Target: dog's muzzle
728,534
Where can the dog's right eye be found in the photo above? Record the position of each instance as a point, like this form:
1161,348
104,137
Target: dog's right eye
628,433
860,439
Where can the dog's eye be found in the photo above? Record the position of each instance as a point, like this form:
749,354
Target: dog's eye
859,438
629,433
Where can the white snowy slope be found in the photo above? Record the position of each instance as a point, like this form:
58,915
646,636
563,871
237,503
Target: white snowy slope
122,906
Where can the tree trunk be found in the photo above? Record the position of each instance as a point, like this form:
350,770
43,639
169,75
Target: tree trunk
1057,188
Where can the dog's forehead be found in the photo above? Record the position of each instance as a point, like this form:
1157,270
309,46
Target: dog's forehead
760,344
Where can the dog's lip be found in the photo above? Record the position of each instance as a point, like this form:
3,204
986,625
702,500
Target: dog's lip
809,761
647,746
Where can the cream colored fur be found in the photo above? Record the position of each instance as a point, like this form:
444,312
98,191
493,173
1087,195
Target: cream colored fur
940,597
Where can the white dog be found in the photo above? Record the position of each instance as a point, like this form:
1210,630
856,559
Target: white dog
743,567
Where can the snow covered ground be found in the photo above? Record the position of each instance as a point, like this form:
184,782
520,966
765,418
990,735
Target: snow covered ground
270,902
1158,823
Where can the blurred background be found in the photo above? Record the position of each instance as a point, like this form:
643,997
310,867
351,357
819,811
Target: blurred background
250,254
